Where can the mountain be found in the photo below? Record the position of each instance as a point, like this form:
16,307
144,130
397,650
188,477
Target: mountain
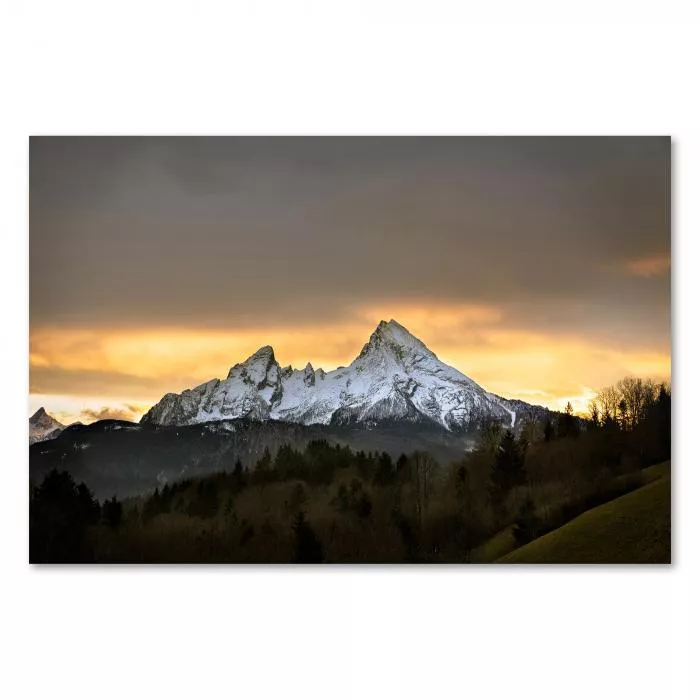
43,426
394,378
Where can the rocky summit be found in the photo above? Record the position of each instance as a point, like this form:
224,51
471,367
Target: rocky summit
43,426
394,378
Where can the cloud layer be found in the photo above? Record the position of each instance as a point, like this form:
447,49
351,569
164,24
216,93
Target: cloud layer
549,368
156,263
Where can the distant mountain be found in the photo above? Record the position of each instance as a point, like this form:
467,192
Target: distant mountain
43,426
395,378
123,458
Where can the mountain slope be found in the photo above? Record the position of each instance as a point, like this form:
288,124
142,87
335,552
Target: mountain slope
394,378
123,458
632,529
43,426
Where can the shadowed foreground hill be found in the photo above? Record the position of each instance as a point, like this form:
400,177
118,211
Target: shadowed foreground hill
632,529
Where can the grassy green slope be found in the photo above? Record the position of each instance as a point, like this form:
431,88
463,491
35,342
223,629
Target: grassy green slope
635,528
495,547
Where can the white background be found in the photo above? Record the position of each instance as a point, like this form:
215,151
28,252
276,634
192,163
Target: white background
347,68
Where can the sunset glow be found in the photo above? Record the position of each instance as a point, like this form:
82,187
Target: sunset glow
545,369
650,267
540,268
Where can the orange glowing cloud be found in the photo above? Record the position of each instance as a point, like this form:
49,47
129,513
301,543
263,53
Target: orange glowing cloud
542,368
650,266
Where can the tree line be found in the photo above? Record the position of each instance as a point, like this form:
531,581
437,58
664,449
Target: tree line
327,502
60,512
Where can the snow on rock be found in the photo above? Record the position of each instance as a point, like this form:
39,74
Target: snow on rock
43,426
309,376
395,377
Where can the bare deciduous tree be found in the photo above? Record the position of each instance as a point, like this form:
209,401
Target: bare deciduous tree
627,401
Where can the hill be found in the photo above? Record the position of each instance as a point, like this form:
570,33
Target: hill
126,459
632,529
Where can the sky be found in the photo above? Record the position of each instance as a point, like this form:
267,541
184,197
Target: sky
539,267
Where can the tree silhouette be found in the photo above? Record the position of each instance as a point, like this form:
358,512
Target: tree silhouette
548,430
307,547
401,467
384,473
238,475
594,414
59,513
567,425
112,512
508,467
422,468
206,503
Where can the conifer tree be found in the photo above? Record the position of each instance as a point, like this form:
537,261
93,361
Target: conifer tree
508,467
548,430
307,547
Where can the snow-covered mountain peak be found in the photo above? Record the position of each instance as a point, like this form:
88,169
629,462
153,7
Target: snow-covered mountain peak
393,344
259,369
43,426
263,356
395,377
393,334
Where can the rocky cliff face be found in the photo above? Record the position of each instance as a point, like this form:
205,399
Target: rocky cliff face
43,426
394,378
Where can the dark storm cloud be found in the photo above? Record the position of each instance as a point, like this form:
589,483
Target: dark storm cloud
245,231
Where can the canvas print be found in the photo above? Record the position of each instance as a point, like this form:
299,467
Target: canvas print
350,350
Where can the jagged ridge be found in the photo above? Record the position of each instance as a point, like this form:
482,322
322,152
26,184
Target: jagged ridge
394,378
